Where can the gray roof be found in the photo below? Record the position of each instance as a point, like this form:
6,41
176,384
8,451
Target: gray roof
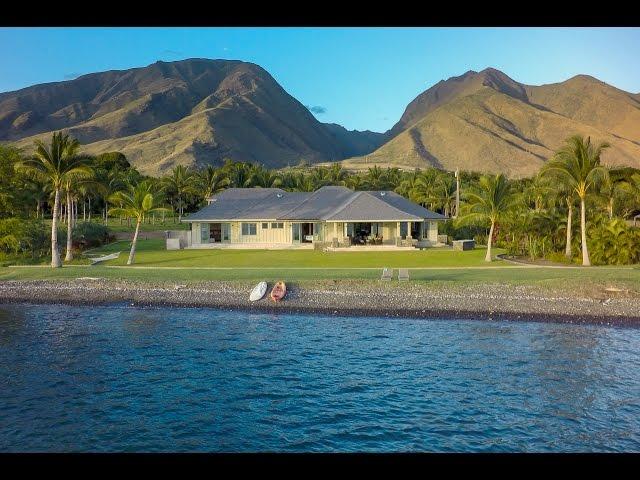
320,204
326,203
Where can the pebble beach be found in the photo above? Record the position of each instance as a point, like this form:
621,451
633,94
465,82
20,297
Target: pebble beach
347,298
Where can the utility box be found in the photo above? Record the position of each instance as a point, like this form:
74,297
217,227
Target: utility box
173,244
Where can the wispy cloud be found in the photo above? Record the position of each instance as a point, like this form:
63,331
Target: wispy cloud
174,53
317,109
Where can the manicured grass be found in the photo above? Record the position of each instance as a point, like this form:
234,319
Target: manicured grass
434,266
561,281
152,253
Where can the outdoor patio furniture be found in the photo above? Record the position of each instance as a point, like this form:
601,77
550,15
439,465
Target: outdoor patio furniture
387,274
111,256
403,274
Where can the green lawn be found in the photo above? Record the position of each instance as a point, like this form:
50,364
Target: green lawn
437,266
152,253
562,281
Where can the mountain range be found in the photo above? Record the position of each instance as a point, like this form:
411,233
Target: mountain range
200,111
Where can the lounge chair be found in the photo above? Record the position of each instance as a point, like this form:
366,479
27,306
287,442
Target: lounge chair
111,256
403,274
387,274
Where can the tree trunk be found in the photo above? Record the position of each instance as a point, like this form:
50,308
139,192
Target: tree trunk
567,251
487,258
132,253
84,210
69,256
89,208
583,230
106,213
610,208
55,256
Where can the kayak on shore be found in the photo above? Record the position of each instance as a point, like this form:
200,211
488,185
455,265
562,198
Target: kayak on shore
279,291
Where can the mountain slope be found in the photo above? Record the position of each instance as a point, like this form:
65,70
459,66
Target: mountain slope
488,122
191,112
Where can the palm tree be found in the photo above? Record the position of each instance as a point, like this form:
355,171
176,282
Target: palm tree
212,180
56,164
137,202
424,187
612,188
355,182
408,184
488,203
444,193
238,173
179,183
375,179
578,165
73,181
337,175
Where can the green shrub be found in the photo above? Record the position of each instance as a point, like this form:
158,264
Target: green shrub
465,232
613,242
24,237
89,235
558,257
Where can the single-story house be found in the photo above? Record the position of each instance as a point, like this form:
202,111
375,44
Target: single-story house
332,216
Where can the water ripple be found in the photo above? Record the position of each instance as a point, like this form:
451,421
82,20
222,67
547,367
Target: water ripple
121,378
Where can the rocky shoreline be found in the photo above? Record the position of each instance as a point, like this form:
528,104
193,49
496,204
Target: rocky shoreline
347,298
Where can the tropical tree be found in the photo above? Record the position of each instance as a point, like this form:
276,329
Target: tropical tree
487,203
444,193
212,180
56,164
375,179
72,182
578,164
137,202
179,183
424,187
337,175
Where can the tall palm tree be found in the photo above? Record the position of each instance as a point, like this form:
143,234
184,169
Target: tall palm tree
488,203
578,164
137,202
180,183
73,181
612,188
56,164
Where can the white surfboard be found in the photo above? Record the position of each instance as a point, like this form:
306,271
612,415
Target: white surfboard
258,291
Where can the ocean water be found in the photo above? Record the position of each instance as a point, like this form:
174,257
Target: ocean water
122,379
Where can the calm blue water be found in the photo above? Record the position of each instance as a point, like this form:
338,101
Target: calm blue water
131,379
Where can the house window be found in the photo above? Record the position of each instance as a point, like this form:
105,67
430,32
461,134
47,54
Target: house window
249,229
265,225
277,225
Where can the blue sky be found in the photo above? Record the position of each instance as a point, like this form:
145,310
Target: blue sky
361,78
